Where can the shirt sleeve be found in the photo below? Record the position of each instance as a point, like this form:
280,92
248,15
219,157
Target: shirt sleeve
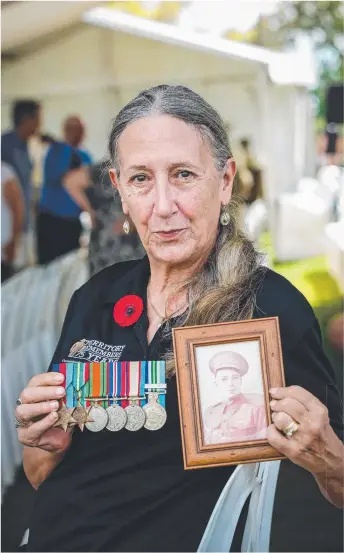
60,348
306,365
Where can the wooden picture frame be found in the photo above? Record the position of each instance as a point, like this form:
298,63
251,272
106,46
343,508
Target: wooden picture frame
216,435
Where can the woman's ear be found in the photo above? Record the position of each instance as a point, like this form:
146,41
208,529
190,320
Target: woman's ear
115,183
227,182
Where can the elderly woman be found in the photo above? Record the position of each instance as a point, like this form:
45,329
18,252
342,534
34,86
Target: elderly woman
128,491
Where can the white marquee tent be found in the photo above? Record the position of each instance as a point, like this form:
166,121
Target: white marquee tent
102,58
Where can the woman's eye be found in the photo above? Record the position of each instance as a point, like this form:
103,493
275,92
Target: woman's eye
138,179
184,174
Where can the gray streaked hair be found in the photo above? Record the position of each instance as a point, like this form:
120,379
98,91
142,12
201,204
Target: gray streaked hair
224,289
182,103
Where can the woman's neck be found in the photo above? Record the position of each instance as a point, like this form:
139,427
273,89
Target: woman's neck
164,289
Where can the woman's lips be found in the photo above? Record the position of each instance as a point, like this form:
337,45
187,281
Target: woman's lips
170,234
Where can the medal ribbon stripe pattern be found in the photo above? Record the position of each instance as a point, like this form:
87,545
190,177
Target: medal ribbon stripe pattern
156,379
96,380
86,380
119,390
87,387
162,380
61,368
124,383
80,378
133,369
69,386
104,388
142,379
109,380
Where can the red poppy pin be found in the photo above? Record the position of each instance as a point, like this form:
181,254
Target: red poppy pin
128,310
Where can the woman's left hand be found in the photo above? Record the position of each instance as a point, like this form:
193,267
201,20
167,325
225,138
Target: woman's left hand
314,446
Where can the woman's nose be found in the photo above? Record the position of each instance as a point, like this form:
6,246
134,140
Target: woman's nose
165,203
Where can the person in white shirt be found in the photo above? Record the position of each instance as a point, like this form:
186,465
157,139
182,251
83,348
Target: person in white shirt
12,218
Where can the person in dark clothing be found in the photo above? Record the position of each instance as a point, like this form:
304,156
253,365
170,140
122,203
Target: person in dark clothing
128,490
26,117
58,219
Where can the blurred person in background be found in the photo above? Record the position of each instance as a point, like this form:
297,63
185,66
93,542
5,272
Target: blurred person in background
38,147
58,219
108,242
74,135
12,219
15,152
249,173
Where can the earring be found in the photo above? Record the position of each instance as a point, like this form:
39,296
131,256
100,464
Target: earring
225,218
126,226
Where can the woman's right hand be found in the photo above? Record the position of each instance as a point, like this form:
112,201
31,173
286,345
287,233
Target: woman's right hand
38,412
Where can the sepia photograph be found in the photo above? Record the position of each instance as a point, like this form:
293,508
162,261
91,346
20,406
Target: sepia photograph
231,392
224,374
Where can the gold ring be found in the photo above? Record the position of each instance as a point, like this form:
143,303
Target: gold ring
290,430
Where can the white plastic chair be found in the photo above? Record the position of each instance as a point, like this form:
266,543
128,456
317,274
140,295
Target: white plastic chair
259,480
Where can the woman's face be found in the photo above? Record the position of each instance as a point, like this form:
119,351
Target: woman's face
171,189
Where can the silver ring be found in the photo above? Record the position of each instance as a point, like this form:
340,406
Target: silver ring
19,402
19,424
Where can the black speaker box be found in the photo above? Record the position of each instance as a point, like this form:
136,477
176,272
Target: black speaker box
335,104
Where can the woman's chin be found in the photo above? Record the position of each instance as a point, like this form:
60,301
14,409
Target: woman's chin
173,254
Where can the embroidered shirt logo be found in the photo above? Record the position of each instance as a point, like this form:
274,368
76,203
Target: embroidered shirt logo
77,348
95,351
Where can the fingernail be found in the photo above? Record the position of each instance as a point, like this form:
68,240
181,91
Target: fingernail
273,390
54,404
58,377
273,403
60,391
53,416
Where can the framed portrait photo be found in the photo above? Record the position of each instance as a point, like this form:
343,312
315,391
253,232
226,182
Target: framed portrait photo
224,372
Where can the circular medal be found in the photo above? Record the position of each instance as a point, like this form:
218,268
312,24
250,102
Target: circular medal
135,417
155,415
99,419
117,418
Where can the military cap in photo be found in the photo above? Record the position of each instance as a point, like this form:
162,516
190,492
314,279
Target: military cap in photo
228,360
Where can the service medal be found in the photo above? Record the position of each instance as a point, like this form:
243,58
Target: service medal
155,413
65,418
117,418
81,416
136,417
99,419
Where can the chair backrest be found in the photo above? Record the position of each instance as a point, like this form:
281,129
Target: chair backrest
259,480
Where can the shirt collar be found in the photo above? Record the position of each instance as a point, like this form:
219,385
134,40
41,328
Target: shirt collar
132,281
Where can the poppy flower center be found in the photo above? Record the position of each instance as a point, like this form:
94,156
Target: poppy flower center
130,310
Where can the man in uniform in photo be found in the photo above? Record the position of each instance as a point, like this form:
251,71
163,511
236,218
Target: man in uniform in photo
238,417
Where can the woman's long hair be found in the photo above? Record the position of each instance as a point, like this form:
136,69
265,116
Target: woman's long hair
224,288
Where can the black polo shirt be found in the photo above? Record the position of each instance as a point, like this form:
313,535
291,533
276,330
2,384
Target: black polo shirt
128,491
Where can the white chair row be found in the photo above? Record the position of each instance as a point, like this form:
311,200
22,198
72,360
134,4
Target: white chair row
34,304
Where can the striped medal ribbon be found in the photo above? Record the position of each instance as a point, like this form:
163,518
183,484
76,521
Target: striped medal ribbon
156,389
81,375
65,411
67,370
